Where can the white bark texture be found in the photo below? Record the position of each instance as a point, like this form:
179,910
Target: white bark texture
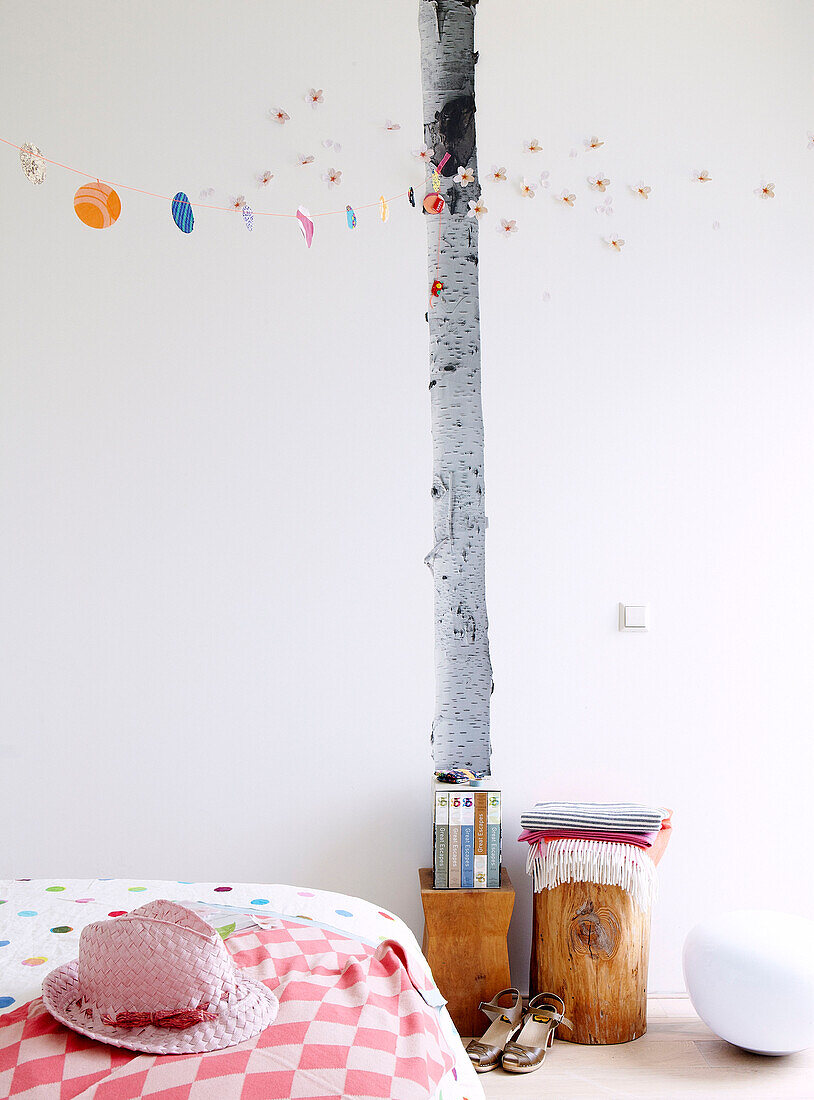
463,670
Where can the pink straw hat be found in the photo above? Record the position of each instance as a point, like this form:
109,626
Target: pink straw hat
160,980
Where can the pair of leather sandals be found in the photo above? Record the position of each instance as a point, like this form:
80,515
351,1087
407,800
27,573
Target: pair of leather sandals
516,1040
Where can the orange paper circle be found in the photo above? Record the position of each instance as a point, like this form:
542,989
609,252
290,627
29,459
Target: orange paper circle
97,205
433,203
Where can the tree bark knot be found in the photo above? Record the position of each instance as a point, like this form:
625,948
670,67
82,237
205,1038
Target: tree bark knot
595,932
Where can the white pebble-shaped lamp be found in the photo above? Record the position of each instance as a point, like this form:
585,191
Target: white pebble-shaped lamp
750,976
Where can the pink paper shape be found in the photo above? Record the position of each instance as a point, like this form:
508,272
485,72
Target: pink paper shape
306,225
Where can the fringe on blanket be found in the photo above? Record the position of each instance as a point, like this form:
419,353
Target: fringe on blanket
558,861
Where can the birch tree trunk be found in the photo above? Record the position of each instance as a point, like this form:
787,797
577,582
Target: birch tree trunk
463,670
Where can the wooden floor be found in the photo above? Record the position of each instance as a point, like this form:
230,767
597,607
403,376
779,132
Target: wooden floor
679,1056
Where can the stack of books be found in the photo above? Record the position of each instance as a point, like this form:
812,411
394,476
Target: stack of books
466,837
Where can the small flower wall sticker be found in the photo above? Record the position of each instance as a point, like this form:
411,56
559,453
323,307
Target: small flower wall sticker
476,209
305,158
328,143
423,153
527,190
810,137
277,114
464,176
264,178
533,146
605,207
237,202
333,177
616,243
546,296
391,125
314,96
567,198
598,183
641,190
545,181
703,177
507,227
498,174
765,191
593,143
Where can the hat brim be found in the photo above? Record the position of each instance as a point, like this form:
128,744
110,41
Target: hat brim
242,1018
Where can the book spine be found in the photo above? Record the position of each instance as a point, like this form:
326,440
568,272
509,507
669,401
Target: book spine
481,863
455,841
441,842
493,841
468,842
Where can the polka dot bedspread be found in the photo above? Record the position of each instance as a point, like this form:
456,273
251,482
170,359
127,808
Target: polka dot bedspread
41,920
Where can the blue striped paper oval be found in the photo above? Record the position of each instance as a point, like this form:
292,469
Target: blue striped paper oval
182,213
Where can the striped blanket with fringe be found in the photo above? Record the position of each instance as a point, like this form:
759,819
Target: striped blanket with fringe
597,842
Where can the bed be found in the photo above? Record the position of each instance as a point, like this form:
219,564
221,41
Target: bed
40,924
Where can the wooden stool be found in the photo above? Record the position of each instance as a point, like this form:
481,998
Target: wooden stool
590,945
465,945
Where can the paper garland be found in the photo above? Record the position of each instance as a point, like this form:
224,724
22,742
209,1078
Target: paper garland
98,205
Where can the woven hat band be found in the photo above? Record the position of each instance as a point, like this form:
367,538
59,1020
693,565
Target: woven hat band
174,1021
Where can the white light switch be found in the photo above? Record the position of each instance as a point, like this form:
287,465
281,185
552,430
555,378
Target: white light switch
633,617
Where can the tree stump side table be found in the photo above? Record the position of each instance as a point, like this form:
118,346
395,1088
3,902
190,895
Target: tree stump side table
465,945
590,945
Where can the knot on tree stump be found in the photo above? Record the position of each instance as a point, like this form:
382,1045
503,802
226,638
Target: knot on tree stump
595,932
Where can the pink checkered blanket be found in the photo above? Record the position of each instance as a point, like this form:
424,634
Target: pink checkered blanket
353,1022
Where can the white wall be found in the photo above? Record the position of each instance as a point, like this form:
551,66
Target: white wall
214,451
